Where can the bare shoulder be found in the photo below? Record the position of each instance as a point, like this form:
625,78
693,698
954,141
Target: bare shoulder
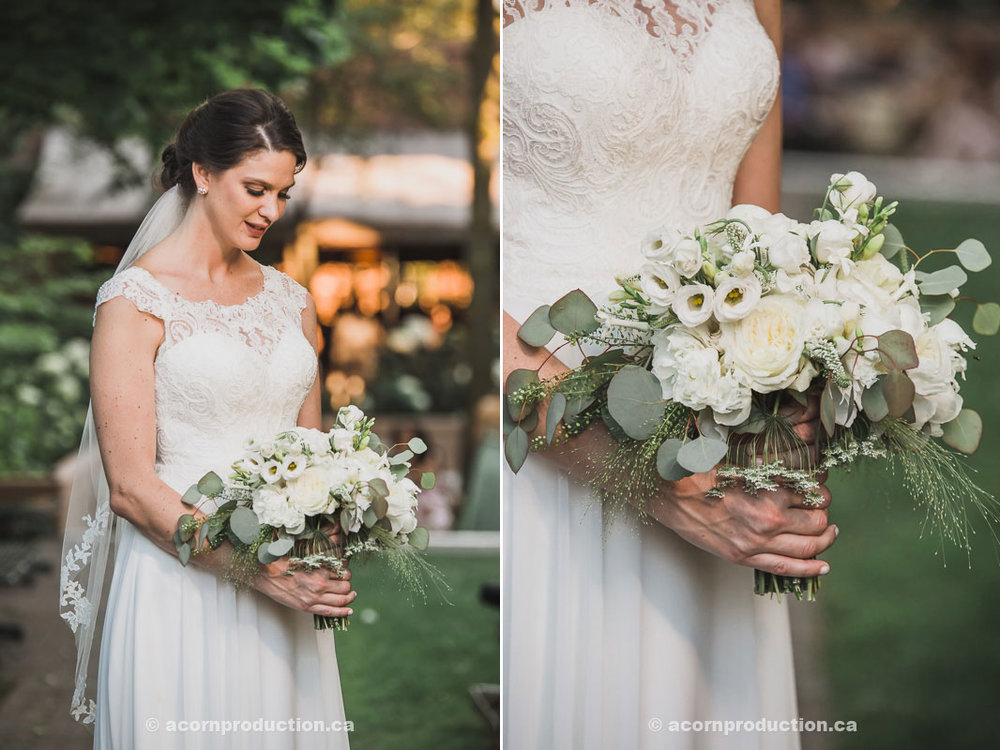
769,14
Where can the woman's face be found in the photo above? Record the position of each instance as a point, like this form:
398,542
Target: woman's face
243,201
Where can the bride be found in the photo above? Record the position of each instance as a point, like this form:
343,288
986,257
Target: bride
619,118
197,346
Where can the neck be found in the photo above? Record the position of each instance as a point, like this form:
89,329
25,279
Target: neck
200,248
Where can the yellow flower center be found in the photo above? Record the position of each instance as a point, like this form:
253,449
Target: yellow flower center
696,301
734,297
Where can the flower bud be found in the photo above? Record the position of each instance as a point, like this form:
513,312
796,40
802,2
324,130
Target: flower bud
872,247
709,269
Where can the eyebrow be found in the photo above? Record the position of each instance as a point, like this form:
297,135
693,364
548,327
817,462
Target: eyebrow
266,184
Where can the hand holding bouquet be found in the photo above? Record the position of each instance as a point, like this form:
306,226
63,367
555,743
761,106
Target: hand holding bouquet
289,491
705,348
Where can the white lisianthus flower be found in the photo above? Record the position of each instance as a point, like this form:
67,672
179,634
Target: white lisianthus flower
768,345
834,242
686,257
252,444
850,191
270,471
659,282
743,262
310,491
350,416
693,304
658,245
293,466
690,372
735,298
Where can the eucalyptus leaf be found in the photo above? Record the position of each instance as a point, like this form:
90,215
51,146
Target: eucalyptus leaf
184,553
613,427
666,461
973,255
192,496
828,410
375,442
530,420
986,321
635,401
380,506
202,534
401,458
938,305
897,350
874,403
210,484
899,392
399,471
368,518
244,524
264,555
574,313
702,454
515,448
574,406
537,330
427,480
378,487
893,241
964,432
185,531
419,538
417,445
516,380
943,281
557,408
280,547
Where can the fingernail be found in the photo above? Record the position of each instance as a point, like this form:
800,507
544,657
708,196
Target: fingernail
836,531
350,611
824,570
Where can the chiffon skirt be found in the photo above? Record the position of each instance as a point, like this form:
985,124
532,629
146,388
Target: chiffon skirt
187,662
613,642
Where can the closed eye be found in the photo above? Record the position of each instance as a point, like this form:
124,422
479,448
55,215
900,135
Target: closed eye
258,193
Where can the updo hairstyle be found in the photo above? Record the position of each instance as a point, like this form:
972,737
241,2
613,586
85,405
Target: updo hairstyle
221,132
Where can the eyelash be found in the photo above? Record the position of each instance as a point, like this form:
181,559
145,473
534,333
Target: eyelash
259,193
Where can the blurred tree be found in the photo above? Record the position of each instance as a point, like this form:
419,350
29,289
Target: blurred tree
132,67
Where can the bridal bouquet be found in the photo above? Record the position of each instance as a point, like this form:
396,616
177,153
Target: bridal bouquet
704,349
286,492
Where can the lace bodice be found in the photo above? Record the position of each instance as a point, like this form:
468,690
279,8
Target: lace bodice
222,371
620,118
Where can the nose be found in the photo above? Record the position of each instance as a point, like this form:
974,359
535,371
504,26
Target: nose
270,207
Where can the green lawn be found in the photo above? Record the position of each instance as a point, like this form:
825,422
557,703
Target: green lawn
912,644
406,667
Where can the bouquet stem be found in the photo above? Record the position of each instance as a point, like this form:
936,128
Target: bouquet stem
800,588
326,622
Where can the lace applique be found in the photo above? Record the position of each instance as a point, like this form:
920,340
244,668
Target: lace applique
71,592
620,118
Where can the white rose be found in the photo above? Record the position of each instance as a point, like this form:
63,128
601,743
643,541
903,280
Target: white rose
743,262
317,441
341,439
310,491
402,502
658,245
659,282
834,242
272,508
939,351
787,251
735,298
768,344
850,191
693,304
686,257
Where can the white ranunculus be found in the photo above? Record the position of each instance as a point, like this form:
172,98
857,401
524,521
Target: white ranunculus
735,298
691,373
272,508
686,257
767,346
317,441
743,262
310,491
659,282
350,416
658,245
834,242
787,251
850,192
693,304
341,439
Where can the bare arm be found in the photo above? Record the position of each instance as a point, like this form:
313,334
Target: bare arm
122,388
310,415
758,179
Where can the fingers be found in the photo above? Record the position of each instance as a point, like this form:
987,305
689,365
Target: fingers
799,546
787,566
796,413
800,502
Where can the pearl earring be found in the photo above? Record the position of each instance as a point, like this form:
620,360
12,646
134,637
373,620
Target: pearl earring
202,190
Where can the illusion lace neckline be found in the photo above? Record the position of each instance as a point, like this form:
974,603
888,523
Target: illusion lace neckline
210,303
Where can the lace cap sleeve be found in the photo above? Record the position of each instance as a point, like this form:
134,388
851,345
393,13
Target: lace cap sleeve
138,288
291,290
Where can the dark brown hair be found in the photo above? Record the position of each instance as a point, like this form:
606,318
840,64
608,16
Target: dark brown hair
221,132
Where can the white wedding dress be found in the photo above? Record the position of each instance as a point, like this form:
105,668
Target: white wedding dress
179,644
620,118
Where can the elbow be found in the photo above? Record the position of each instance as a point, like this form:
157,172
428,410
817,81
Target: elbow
120,501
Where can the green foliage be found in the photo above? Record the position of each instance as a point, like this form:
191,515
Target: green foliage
46,309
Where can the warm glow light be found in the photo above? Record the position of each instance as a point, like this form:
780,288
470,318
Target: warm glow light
341,233
331,287
441,318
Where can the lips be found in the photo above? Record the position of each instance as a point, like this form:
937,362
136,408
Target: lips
255,230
